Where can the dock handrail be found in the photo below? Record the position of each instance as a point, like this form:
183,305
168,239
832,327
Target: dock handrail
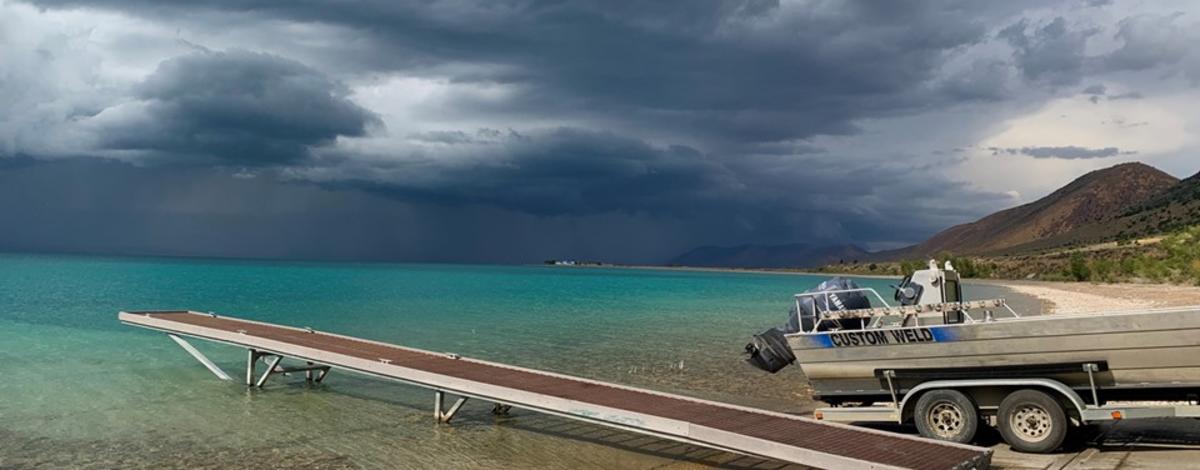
905,311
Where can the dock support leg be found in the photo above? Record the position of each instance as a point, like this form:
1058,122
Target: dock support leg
200,357
251,360
445,416
314,373
272,364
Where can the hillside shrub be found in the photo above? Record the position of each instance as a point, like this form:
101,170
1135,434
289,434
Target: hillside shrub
1079,267
1104,270
1128,266
1182,260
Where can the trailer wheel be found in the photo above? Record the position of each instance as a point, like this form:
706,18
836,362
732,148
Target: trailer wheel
1032,421
948,415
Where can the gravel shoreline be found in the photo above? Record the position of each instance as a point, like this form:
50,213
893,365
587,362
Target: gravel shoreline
1085,297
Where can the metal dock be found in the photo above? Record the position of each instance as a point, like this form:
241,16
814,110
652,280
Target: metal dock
726,427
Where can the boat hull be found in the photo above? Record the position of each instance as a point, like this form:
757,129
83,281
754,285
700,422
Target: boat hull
1147,350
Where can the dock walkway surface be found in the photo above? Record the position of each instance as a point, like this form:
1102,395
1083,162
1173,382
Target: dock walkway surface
711,424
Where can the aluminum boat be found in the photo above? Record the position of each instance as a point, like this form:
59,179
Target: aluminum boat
856,348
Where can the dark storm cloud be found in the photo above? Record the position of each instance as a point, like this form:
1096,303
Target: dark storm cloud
1052,52
1069,152
984,80
572,172
735,71
560,171
707,119
1133,95
235,107
1096,92
1149,41
100,206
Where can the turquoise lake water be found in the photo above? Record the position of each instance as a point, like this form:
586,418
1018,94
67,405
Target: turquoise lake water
82,390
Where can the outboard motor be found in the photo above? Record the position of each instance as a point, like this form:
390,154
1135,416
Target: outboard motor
769,350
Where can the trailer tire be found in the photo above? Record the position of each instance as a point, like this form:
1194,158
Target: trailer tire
947,415
1032,421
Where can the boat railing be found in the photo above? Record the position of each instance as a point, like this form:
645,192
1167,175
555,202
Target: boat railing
906,313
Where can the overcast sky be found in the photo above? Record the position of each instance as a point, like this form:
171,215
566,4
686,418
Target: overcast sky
513,131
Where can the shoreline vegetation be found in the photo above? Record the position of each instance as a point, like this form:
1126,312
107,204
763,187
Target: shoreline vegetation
1173,258
1168,259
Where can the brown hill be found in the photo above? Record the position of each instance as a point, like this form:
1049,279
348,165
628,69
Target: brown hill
1176,208
1078,210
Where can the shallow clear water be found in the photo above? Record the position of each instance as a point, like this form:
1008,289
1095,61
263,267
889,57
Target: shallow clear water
80,389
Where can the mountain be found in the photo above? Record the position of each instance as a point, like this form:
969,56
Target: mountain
1175,208
796,255
1085,209
1178,207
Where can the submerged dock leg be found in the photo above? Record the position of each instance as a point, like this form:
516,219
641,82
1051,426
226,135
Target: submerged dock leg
445,416
501,409
200,357
251,360
314,373
272,364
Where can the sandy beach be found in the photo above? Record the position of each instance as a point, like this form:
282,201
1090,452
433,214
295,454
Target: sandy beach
1084,297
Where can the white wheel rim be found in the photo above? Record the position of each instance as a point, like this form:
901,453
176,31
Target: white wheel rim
945,420
1031,423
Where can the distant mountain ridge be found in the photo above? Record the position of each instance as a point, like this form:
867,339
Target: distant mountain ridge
1129,200
796,255
1074,213
1176,208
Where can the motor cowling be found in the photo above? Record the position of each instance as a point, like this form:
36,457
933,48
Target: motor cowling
769,351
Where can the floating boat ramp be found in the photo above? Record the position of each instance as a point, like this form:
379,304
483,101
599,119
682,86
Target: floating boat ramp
726,427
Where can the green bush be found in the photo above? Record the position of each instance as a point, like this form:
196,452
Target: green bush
1128,266
1103,270
964,266
1079,267
1182,260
